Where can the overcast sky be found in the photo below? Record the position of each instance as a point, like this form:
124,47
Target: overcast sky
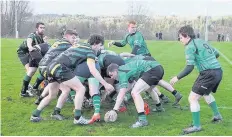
121,7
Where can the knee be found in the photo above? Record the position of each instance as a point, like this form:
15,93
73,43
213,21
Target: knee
192,99
134,93
51,96
209,99
82,89
31,72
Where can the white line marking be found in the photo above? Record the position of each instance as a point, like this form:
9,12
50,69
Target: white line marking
230,62
230,108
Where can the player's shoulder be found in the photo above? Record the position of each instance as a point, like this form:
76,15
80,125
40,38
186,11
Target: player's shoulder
138,33
31,35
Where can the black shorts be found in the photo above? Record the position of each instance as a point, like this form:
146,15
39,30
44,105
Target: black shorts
59,73
24,58
153,76
29,58
207,82
82,70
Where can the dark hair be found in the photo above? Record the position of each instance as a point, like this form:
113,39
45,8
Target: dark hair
38,23
111,68
187,31
132,22
70,32
96,39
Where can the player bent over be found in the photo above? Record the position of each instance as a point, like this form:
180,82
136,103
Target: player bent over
60,71
148,73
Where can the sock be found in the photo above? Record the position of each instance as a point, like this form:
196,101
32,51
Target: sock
142,116
56,110
161,95
39,80
174,92
77,114
214,108
36,113
196,118
26,82
40,98
87,95
72,93
112,94
96,103
158,104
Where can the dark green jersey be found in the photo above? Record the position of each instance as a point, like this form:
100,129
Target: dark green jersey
106,54
138,57
56,49
36,39
133,70
75,55
136,42
201,54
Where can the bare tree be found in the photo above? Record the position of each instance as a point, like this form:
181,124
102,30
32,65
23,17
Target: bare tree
9,9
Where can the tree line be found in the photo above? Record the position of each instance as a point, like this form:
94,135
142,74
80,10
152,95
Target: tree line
114,27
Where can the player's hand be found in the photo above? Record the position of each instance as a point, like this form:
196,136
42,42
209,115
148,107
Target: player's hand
45,38
111,43
31,49
109,88
173,80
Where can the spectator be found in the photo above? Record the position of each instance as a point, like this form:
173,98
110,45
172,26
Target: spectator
157,35
160,35
222,36
219,38
227,37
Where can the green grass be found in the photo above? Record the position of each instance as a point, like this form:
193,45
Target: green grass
16,111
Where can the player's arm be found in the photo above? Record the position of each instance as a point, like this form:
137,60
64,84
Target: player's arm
123,83
93,70
137,43
120,97
187,70
29,42
122,43
190,59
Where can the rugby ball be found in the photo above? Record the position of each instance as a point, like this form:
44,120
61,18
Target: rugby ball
110,116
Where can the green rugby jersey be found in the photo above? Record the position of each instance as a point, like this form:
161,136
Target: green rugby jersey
36,39
201,54
136,42
102,56
75,55
56,49
133,70
137,57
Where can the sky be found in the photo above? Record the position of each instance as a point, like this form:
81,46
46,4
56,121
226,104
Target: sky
123,7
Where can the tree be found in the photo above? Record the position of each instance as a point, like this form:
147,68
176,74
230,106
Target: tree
9,9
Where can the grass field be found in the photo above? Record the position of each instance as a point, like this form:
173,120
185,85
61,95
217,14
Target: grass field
16,111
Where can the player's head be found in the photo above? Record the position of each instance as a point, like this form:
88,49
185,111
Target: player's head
186,33
132,27
40,28
112,71
96,42
70,36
